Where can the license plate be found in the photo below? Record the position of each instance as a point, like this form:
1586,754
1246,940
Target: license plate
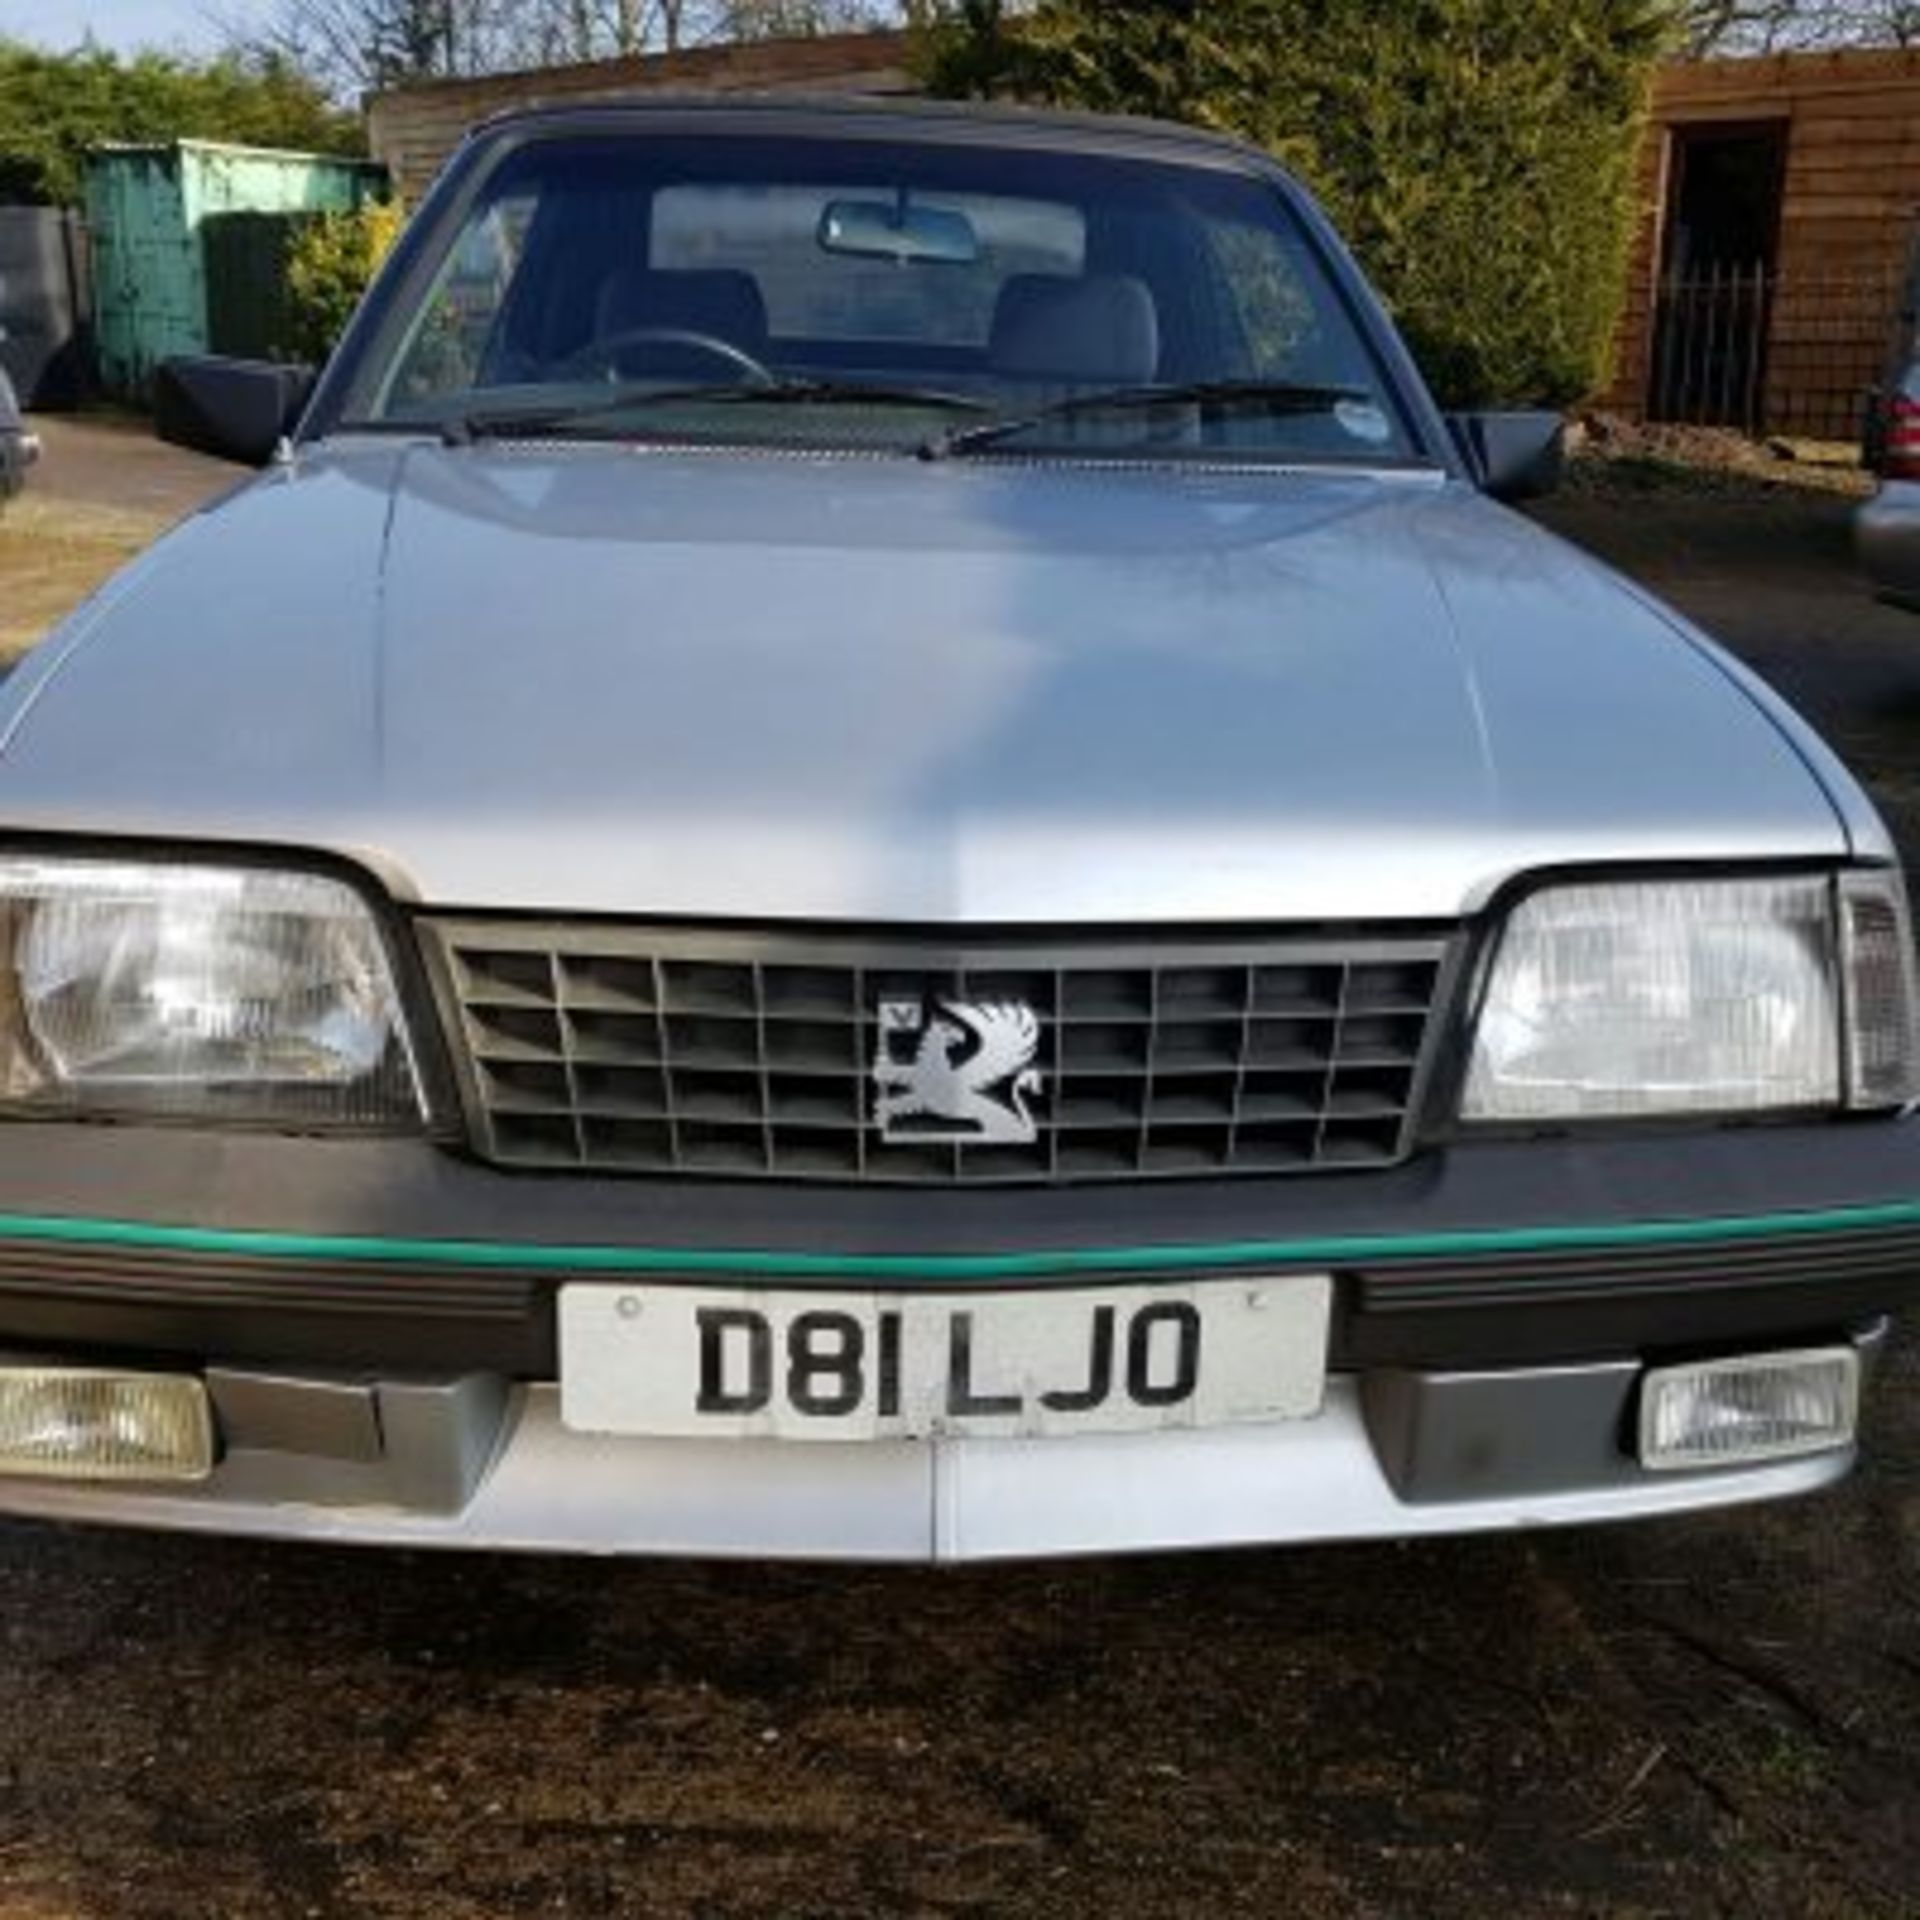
715,1363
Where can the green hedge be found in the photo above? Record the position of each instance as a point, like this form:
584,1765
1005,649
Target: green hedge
331,260
54,106
1478,154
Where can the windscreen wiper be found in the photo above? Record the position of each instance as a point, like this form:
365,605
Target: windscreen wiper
514,422
1272,397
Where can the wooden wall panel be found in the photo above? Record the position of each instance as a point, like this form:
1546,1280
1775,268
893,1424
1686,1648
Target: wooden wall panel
1851,199
414,129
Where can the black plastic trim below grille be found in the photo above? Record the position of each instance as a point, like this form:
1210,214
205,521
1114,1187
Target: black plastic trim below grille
1497,1310
583,1046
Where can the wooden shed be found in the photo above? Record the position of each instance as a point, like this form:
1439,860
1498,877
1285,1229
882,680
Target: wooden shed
1779,201
413,129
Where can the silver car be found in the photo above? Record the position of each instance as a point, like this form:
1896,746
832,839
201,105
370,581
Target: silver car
1888,526
873,846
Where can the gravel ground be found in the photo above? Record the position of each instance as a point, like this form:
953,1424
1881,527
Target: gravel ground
1694,1717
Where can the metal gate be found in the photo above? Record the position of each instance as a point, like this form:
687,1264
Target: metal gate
1790,353
1710,349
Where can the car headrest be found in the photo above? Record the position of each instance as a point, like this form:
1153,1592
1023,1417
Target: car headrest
708,300
1103,329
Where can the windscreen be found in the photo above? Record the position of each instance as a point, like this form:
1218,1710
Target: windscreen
867,291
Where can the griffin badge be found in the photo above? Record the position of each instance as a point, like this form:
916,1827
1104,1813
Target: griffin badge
949,1071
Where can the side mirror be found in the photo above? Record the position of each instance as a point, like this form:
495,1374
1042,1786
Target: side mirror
1512,456
232,409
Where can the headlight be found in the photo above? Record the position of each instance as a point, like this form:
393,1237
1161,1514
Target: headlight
1697,996
201,992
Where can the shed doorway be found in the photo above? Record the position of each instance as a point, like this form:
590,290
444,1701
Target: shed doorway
1717,254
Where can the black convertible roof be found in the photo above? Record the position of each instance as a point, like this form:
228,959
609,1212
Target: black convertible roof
818,114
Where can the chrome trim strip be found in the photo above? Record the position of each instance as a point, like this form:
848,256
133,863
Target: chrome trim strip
761,1263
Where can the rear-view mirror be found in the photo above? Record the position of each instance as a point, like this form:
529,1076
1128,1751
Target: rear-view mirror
232,409
898,230
1513,456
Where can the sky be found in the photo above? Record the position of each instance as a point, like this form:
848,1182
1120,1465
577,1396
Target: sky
176,25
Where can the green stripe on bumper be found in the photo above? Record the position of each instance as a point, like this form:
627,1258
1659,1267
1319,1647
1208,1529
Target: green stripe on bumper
1330,1251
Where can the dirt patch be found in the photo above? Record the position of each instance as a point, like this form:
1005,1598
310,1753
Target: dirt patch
1621,459
113,460
1704,1717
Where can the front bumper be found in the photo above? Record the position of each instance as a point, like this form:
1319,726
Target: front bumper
546,1489
378,1320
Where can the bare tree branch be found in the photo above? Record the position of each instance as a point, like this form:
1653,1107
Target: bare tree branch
355,46
1797,26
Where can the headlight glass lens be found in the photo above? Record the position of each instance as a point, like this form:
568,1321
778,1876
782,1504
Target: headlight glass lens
198,991
1705,996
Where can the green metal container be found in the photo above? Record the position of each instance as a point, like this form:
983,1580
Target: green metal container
149,208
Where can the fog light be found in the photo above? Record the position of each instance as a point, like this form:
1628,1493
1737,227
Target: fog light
1768,1406
79,1423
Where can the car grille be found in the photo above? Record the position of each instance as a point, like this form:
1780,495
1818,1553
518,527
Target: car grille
637,1050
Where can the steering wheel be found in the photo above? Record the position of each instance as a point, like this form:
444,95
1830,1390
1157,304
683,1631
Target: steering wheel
600,356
